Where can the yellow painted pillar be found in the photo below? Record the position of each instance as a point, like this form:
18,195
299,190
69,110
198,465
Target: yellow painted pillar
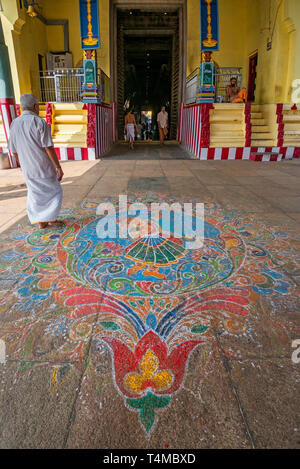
193,36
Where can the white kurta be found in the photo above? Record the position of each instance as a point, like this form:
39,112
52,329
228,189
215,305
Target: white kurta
162,119
29,136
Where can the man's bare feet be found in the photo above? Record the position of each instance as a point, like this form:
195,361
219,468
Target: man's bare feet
43,224
57,223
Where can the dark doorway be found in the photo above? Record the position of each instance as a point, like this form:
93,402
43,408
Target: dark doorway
148,69
148,73
252,77
41,68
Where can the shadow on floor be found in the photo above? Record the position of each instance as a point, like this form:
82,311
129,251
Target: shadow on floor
171,150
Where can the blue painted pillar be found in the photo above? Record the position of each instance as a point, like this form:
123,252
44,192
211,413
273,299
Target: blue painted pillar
209,44
90,42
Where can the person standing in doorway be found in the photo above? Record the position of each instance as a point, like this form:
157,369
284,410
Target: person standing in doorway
129,128
162,121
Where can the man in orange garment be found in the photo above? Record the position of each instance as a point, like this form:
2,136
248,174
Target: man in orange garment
235,94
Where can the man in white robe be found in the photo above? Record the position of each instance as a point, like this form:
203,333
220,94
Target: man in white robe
162,121
31,143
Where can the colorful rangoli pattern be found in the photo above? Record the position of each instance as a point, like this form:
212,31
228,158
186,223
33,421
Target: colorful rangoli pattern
151,300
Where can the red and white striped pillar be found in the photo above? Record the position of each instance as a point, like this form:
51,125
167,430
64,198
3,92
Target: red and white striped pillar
91,130
248,125
205,124
49,112
8,113
280,137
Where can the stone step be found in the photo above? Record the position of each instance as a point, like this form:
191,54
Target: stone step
228,144
258,121
228,106
292,126
70,128
262,135
291,119
230,117
63,107
260,128
291,143
226,136
71,144
263,143
71,118
68,138
255,108
290,111
295,133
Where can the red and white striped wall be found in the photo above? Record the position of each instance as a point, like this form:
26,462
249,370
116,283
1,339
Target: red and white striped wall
8,113
189,130
244,153
105,131
266,157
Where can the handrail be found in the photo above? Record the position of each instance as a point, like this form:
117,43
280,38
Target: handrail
65,84
193,74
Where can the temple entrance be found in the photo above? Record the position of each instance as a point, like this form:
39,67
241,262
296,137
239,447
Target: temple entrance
147,62
252,77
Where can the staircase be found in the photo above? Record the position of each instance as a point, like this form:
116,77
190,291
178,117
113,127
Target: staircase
69,125
261,132
227,126
291,120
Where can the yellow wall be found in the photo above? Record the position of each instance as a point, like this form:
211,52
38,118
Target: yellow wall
26,38
61,10
193,35
69,9
104,52
232,15
276,67
8,19
244,29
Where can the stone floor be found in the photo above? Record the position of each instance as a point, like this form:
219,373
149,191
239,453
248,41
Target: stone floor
104,350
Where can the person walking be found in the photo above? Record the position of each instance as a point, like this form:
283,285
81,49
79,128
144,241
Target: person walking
31,144
129,128
163,124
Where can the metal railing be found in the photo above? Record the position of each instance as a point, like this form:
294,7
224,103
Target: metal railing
61,85
222,78
191,87
64,85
